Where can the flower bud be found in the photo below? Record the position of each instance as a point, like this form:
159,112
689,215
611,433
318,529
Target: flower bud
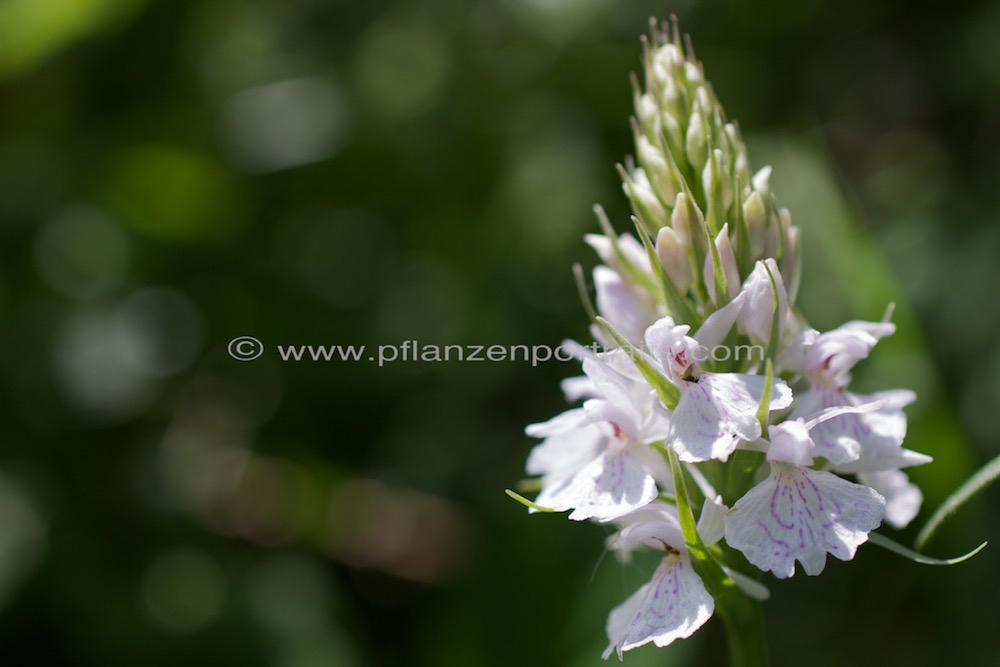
673,257
688,222
790,266
695,141
755,213
680,219
762,181
693,74
648,113
738,152
784,224
655,164
672,132
772,240
666,59
620,254
785,219
645,203
758,310
728,260
708,106
715,174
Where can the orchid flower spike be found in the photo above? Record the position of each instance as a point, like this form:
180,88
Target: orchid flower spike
710,374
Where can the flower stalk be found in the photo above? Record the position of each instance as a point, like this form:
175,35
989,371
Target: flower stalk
743,620
742,617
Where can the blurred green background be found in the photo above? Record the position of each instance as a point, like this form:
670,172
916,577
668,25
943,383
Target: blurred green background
176,173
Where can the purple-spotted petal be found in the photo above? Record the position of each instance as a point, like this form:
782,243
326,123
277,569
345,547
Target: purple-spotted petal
798,514
861,442
562,455
884,431
902,497
718,325
838,440
613,484
671,606
618,304
711,523
757,313
655,526
832,354
564,422
633,251
575,388
790,443
719,410
670,345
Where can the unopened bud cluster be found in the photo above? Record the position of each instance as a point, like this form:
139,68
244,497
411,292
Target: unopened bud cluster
691,181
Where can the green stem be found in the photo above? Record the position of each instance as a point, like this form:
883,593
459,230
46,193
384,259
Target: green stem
743,620
741,616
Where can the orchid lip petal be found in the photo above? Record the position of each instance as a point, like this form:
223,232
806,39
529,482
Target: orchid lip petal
830,413
719,411
798,514
610,486
671,606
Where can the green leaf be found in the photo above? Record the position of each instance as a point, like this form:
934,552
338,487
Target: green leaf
742,246
714,214
896,547
772,345
699,237
636,274
718,273
975,484
764,411
669,293
699,552
581,287
638,207
527,503
668,393
654,261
